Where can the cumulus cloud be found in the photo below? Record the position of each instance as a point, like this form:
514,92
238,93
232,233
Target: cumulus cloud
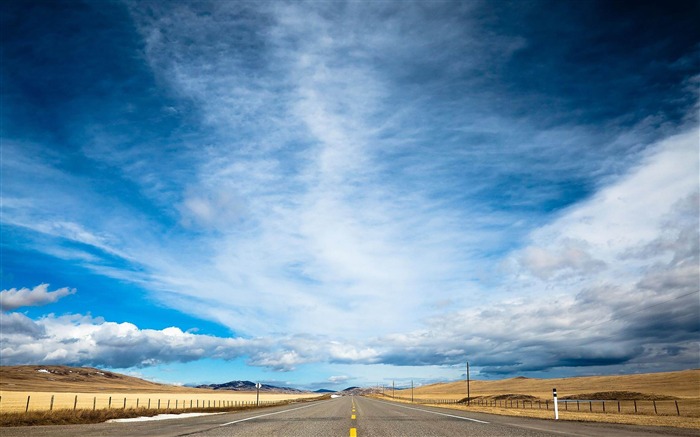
359,164
571,257
84,340
40,295
613,281
339,379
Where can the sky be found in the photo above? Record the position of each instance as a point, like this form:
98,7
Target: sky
332,194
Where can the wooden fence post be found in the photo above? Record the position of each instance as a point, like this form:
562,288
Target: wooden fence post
677,410
635,406
94,403
137,402
27,409
110,403
75,402
51,406
149,403
168,404
124,407
655,412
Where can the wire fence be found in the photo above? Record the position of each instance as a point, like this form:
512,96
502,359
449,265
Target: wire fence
681,407
65,401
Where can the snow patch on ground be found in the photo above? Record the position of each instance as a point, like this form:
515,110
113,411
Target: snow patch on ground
161,417
43,371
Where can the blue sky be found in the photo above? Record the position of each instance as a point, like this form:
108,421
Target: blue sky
324,194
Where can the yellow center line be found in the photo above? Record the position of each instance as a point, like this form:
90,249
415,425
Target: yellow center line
353,432
352,417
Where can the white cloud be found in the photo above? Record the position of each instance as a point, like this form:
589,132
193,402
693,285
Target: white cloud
629,213
339,379
84,340
327,188
611,282
40,295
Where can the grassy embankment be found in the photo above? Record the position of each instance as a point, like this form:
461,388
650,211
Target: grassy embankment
665,388
84,395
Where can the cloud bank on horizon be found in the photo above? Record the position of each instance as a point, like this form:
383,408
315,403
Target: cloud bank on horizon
329,184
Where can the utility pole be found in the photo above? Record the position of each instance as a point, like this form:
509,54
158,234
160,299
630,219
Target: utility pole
411,391
468,394
393,387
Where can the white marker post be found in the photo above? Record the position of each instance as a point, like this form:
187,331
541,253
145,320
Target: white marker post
556,406
257,397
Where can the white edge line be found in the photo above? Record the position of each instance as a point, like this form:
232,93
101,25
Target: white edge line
268,414
433,412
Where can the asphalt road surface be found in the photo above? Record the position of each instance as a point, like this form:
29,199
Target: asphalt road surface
347,416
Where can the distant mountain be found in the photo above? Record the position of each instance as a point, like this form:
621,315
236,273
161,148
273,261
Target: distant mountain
359,391
250,386
323,390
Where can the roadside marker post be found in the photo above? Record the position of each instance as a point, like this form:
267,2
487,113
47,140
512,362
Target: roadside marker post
556,405
257,397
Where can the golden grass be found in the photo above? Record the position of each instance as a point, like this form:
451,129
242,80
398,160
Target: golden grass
80,379
82,416
15,401
628,419
683,385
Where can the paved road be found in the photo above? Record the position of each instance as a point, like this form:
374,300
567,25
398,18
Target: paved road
347,416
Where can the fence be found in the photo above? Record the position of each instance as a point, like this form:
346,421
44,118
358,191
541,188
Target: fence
684,407
17,402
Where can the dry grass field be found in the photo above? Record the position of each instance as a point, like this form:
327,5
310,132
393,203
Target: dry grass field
78,379
14,401
100,389
681,385
667,389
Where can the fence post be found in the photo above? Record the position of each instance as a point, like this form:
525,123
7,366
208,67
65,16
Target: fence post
27,409
124,407
159,404
51,406
75,402
168,404
137,402
677,410
603,406
655,412
590,406
149,403
618,406
110,402
94,403
635,406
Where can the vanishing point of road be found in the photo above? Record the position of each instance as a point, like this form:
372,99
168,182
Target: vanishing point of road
351,416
